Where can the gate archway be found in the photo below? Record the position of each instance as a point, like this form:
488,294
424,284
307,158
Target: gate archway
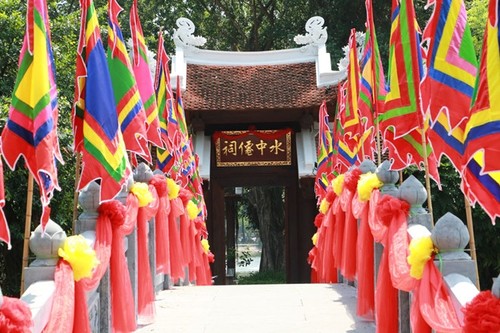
258,91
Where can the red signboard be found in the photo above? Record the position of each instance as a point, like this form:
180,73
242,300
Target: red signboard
253,148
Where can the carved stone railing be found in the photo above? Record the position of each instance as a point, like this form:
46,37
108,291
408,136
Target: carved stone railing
450,235
39,276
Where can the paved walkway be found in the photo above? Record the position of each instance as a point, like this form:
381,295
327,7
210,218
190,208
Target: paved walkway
285,308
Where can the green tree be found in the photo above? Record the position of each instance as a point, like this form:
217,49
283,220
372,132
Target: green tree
265,207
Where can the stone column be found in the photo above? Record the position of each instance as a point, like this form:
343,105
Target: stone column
450,236
99,300
365,167
389,178
413,192
45,247
167,284
39,276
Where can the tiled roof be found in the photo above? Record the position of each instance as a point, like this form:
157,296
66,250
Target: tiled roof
290,86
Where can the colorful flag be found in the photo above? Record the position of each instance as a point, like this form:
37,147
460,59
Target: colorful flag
31,129
451,71
183,142
372,90
131,113
402,112
372,82
409,150
451,63
324,153
143,78
164,160
164,95
350,115
447,141
345,149
179,108
95,122
482,132
482,188
481,173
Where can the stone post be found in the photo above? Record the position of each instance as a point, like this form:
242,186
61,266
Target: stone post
98,301
130,247
365,167
495,289
39,276
45,247
413,192
450,236
144,174
167,284
389,178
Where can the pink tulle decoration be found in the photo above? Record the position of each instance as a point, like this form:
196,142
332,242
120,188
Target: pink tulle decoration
15,316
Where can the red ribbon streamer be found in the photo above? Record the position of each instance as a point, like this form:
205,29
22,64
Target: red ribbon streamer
145,292
161,225
177,261
365,262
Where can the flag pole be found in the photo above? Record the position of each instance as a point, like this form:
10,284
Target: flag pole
76,193
472,241
27,228
427,176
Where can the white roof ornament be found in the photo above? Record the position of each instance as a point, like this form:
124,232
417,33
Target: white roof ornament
183,36
360,46
316,34
313,50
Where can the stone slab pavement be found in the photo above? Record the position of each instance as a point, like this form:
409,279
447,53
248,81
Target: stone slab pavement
290,308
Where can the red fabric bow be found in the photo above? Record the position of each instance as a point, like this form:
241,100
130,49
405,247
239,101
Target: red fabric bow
391,213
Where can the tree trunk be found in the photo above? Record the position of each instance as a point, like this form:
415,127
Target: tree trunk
269,206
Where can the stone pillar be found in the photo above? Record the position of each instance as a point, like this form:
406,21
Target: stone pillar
144,174
45,247
413,192
389,178
99,300
131,247
450,236
365,167
167,284
39,276
495,289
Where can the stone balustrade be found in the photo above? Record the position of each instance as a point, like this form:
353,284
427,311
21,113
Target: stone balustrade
39,276
449,235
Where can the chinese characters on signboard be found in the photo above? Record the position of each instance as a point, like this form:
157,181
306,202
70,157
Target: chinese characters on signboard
253,148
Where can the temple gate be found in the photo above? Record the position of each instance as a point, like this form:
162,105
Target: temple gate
254,116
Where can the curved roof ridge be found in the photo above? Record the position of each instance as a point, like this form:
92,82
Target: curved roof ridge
313,51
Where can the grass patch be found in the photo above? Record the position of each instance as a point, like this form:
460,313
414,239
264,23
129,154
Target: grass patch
267,277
